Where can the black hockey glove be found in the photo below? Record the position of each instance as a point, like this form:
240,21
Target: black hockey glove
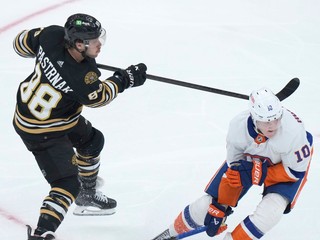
133,76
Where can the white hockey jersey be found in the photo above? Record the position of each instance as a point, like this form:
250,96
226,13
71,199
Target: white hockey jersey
291,145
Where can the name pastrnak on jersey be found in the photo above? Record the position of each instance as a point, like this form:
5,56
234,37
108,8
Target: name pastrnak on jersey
50,100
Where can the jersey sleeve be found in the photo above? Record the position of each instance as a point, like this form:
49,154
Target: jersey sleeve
91,91
236,140
26,43
105,93
295,162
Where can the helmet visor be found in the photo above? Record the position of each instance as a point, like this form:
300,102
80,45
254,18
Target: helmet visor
100,40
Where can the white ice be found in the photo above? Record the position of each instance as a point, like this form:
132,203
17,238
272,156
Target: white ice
165,142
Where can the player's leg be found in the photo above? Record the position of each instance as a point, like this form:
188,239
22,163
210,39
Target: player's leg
267,214
89,142
56,160
278,199
193,215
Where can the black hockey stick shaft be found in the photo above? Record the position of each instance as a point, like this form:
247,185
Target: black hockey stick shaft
183,84
284,93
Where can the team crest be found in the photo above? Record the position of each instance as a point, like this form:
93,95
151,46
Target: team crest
260,139
90,77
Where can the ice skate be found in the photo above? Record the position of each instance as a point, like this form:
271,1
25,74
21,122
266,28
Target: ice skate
45,236
92,202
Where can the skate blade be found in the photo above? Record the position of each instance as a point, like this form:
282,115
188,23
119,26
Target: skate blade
92,211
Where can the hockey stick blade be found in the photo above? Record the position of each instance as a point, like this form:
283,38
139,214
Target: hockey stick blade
290,88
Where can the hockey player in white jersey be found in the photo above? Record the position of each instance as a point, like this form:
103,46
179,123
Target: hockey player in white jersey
266,145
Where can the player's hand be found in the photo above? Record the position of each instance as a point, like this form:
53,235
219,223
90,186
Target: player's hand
259,172
234,177
245,173
215,218
133,76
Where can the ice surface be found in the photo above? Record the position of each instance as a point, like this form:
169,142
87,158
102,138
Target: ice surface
174,137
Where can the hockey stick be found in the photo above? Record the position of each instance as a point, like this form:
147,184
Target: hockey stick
190,233
283,94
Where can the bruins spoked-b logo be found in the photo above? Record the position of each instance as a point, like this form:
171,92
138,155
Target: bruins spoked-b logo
90,77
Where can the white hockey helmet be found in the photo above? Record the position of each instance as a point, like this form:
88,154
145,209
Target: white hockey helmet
264,106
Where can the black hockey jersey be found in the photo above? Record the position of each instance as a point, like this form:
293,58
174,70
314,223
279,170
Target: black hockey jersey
50,100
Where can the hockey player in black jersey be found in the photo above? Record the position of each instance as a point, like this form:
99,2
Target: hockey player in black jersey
48,115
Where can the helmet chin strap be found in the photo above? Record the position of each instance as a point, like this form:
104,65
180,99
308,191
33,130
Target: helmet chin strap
255,125
83,53
258,131
86,45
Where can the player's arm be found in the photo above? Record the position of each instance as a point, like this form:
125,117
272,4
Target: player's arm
26,43
294,164
103,94
240,174
133,76
107,90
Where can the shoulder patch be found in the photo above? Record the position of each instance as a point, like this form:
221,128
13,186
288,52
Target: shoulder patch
90,77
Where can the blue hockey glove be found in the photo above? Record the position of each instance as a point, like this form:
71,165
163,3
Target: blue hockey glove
245,173
215,218
259,172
